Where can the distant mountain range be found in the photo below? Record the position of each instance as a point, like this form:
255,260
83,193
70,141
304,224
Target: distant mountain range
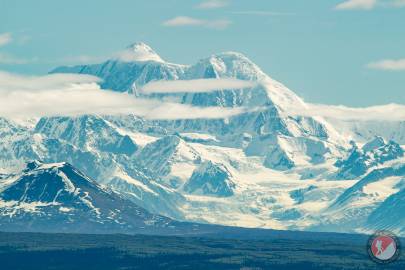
261,168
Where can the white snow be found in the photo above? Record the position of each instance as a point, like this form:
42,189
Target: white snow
300,197
139,52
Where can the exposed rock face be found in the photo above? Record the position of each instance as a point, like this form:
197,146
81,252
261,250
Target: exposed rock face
373,153
57,197
212,180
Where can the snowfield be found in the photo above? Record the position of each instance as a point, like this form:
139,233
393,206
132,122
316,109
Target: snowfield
262,168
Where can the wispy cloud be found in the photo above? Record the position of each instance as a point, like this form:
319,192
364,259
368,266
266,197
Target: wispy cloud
82,59
213,4
10,82
369,4
388,64
189,21
261,13
73,94
5,38
390,112
357,4
9,59
196,86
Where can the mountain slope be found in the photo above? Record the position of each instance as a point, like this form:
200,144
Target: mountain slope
212,180
57,197
163,156
373,153
138,66
261,168
268,102
390,215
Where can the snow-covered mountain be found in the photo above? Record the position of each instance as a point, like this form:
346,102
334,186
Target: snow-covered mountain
372,203
210,179
58,198
373,153
260,168
390,213
298,134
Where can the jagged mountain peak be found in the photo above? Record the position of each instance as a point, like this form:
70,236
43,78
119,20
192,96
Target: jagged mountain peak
231,56
211,179
375,143
139,52
51,183
226,64
162,154
58,197
139,45
40,166
139,65
373,153
87,132
32,165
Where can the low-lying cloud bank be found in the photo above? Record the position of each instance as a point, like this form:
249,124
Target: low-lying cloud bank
389,112
196,86
12,82
74,94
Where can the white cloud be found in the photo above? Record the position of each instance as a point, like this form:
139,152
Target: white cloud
213,4
195,86
5,38
370,4
10,59
390,112
73,94
82,59
388,64
357,4
11,82
261,13
182,21
189,21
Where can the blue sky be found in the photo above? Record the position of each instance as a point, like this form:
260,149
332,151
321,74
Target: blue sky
332,52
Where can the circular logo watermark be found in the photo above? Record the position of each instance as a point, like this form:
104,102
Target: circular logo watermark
383,247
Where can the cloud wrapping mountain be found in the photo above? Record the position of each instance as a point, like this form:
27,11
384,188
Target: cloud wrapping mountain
196,86
72,95
279,162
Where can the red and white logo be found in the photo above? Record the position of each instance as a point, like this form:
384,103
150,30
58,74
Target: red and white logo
383,247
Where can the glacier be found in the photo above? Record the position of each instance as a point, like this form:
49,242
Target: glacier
262,168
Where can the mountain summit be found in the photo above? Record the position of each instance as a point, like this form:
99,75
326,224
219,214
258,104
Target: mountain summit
58,197
139,52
